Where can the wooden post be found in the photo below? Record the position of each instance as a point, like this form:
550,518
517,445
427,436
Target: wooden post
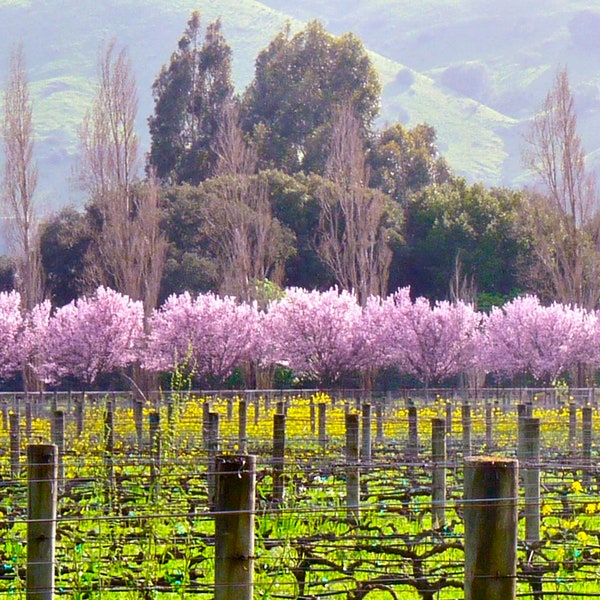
529,459
28,420
413,432
438,485
155,453
79,403
322,426
491,519
242,426
313,416
15,444
379,421
42,464
213,449
365,455
586,439
466,429
352,467
234,527
58,439
138,417
205,424
572,428
278,457
109,445
489,427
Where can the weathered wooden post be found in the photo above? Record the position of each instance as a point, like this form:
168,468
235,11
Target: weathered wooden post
313,416
352,467
205,424
489,427
28,420
466,429
79,404
379,421
278,457
15,444
213,449
57,428
322,425
572,428
366,446
438,484
491,519
155,453
529,459
242,426
109,446
138,417
413,431
42,465
586,440
234,527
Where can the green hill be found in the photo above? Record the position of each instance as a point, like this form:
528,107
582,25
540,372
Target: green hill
473,69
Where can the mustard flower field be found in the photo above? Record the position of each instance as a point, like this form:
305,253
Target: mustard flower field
134,509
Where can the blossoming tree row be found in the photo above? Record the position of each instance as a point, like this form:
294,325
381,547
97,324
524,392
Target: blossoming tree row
318,335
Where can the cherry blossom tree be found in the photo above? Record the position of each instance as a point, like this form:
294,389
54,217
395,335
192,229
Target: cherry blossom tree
209,334
316,333
430,342
92,335
525,337
11,327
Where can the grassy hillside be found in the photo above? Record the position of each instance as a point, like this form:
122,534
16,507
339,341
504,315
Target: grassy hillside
475,70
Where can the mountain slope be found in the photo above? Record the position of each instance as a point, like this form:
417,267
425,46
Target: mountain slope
473,69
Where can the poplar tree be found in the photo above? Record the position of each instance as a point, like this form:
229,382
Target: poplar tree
190,96
19,184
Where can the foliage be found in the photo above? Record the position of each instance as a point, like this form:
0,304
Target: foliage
213,334
299,82
481,227
91,335
190,94
315,333
404,161
11,326
64,240
525,337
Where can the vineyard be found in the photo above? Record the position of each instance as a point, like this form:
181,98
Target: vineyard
347,498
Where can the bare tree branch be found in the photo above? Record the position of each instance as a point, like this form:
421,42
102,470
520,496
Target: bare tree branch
564,216
352,235
20,180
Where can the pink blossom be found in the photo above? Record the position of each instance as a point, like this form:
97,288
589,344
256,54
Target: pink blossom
315,333
11,328
92,335
525,337
431,342
211,335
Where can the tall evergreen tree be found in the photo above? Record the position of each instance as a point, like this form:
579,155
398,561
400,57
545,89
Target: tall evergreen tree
299,84
190,94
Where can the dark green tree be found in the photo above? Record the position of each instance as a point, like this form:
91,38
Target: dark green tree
190,94
404,161
479,226
65,240
300,81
